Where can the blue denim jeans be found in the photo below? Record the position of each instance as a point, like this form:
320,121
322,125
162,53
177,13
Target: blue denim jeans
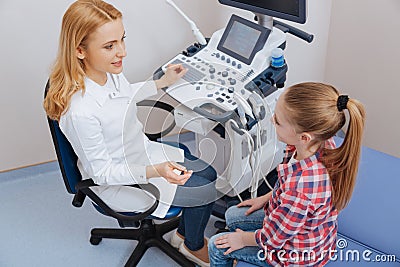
235,218
197,197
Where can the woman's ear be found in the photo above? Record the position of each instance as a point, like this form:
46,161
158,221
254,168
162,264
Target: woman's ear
80,53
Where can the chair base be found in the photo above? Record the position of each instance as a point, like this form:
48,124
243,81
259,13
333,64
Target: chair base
149,235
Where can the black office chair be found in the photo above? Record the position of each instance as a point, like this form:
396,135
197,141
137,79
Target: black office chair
146,232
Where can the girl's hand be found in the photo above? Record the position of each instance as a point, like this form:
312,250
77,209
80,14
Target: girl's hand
255,203
168,171
172,74
232,241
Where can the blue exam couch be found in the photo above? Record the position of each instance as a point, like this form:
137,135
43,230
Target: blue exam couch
369,227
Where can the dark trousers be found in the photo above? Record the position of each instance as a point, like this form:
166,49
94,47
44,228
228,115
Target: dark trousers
197,197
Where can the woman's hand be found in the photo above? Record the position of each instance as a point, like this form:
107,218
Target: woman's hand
255,203
172,74
169,171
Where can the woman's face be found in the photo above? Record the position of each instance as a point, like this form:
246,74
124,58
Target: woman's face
103,51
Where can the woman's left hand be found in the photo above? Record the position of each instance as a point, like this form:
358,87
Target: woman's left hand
172,74
231,241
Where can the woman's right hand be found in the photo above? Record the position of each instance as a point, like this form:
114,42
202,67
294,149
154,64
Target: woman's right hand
166,170
255,203
172,74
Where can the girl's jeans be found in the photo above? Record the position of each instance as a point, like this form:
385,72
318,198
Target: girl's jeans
235,218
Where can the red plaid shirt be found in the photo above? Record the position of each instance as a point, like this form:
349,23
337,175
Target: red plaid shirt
300,223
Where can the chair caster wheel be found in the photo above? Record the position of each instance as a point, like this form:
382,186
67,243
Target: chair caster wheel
95,240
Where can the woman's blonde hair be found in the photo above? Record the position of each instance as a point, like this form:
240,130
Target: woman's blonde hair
313,108
67,77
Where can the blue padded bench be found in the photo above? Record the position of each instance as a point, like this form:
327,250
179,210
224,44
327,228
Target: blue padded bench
370,224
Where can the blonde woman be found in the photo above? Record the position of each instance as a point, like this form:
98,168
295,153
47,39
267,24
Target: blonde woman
90,97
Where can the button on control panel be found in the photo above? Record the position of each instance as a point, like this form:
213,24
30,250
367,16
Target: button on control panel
209,81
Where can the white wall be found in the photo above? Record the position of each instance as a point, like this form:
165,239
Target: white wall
307,61
28,31
155,33
364,61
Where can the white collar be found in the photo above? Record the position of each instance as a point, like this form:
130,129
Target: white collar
102,93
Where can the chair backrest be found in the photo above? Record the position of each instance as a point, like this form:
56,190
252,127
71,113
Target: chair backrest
67,159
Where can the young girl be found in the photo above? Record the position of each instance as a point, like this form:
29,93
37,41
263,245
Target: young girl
298,224
96,109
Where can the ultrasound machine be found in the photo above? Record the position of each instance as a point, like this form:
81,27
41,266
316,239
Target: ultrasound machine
228,95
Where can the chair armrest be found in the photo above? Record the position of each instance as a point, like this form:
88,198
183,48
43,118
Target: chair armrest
83,189
79,197
160,105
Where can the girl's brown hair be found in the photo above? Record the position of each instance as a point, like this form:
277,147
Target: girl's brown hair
313,108
67,77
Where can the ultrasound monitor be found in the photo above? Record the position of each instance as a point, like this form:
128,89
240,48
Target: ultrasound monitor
242,39
292,10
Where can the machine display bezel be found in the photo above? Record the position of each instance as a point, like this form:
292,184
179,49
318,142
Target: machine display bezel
264,33
299,17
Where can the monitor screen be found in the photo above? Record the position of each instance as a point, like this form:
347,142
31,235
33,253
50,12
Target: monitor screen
293,10
242,39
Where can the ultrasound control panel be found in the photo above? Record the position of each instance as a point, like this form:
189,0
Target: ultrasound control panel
208,82
219,72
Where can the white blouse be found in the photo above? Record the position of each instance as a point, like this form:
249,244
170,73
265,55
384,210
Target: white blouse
105,133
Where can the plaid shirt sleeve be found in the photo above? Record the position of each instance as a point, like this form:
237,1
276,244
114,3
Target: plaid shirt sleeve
284,221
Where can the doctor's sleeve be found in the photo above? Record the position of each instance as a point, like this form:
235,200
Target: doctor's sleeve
86,138
143,90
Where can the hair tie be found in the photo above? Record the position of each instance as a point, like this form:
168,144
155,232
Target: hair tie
342,102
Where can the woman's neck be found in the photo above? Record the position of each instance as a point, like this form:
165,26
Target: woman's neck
100,79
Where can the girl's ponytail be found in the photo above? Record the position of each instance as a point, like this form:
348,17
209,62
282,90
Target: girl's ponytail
342,162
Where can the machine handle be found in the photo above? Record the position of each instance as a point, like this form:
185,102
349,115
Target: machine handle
293,30
221,118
